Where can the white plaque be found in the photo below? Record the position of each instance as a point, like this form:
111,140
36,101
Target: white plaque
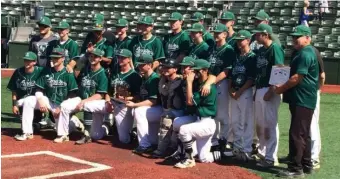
279,75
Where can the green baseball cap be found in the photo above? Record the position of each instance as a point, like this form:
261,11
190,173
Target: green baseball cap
197,27
30,56
57,53
301,30
97,52
243,34
263,28
227,15
197,16
144,59
200,64
45,21
98,17
63,25
176,16
98,26
187,61
122,23
148,20
219,28
124,53
262,16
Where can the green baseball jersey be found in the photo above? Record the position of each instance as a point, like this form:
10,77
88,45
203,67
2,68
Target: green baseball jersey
103,45
91,82
243,69
57,84
149,87
265,59
153,47
200,51
231,41
125,83
209,39
304,94
22,83
255,46
206,106
175,44
70,47
221,58
122,44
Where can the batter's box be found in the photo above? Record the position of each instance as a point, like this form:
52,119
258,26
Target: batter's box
89,166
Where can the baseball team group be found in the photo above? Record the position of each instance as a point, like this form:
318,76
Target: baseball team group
191,95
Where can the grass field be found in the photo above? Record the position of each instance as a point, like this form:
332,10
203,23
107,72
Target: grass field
329,124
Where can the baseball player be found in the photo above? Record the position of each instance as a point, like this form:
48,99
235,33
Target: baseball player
266,101
221,59
202,126
66,43
93,85
200,49
147,112
176,44
57,85
228,19
240,89
173,103
146,43
198,17
22,82
38,44
124,86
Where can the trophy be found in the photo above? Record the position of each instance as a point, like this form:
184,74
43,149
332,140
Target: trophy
121,89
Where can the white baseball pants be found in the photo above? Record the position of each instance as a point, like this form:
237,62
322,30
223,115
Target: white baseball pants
180,121
266,118
243,121
315,131
148,124
202,131
222,116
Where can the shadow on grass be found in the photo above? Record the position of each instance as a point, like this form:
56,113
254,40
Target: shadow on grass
9,117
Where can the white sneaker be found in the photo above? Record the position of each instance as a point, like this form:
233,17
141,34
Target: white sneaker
61,139
80,126
23,137
186,163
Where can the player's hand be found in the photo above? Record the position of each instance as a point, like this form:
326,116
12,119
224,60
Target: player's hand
205,91
278,89
56,113
269,94
130,104
15,110
237,95
109,106
42,106
69,69
191,77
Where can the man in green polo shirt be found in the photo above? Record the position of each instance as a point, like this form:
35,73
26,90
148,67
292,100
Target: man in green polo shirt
198,17
228,19
300,92
176,44
146,42
200,49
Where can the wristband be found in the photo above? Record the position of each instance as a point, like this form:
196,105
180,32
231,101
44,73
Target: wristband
14,103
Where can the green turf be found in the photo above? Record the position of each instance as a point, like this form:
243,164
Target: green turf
329,124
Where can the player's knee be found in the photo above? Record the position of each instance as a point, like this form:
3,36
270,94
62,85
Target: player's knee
30,101
183,131
176,124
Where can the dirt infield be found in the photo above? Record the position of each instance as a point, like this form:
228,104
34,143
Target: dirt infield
331,89
121,162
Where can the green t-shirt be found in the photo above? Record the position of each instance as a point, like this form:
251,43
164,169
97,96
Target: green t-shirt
125,83
265,59
92,82
153,47
175,44
200,51
57,85
70,47
23,84
209,39
304,94
221,58
149,87
206,106
243,69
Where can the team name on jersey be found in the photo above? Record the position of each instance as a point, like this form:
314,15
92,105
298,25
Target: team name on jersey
239,69
24,85
261,61
140,51
87,82
215,61
172,47
55,83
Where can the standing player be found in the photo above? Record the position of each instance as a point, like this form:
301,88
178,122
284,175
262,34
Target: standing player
66,43
228,19
240,89
122,42
198,17
39,43
147,112
124,86
172,99
177,43
200,49
146,43
57,85
266,101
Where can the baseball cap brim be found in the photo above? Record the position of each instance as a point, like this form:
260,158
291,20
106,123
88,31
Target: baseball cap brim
31,59
174,19
199,68
297,34
62,27
56,56
122,55
218,31
186,64
258,18
39,23
240,38
146,23
194,30
121,25
257,31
